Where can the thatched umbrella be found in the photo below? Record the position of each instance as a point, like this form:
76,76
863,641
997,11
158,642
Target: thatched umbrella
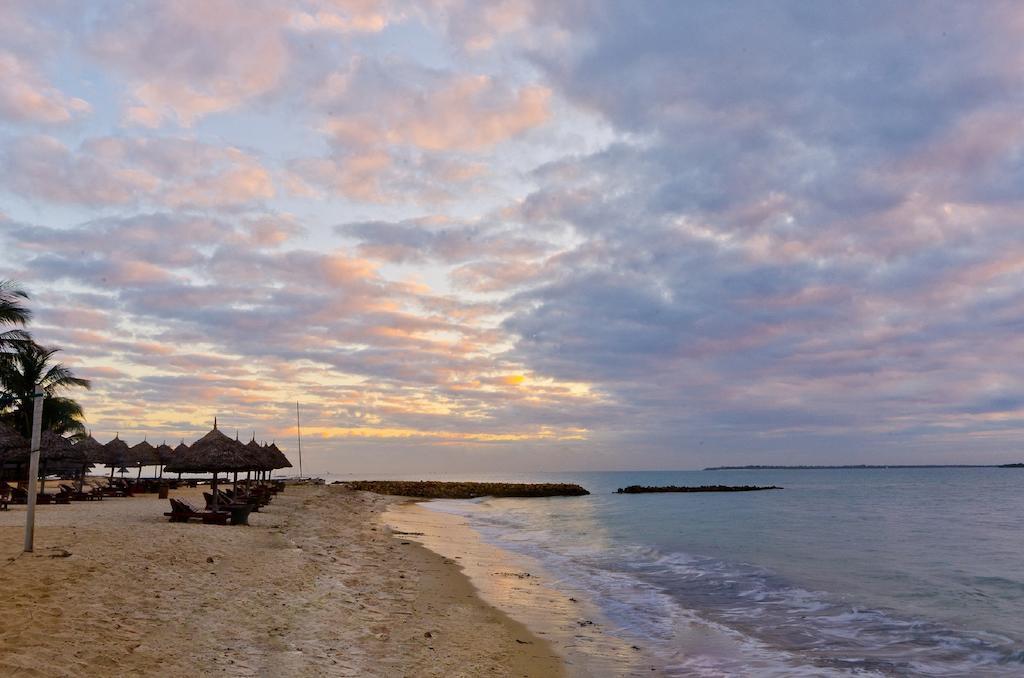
116,454
95,453
264,461
12,446
278,460
11,441
164,453
214,453
181,449
143,454
54,448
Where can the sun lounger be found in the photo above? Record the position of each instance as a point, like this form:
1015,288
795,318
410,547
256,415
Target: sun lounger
116,488
43,498
224,499
73,493
19,495
181,511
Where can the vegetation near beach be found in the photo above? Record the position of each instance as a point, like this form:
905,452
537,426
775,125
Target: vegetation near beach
455,490
23,364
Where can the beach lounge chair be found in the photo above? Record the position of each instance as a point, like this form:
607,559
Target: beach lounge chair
239,510
181,511
19,495
116,488
224,499
43,498
74,495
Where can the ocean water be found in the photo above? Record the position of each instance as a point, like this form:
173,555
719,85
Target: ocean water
906,572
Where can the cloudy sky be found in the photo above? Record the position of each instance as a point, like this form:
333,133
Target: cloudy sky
527,235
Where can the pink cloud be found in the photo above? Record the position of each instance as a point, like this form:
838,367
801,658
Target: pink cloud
25,96
344,16
462,112
115,171
190,58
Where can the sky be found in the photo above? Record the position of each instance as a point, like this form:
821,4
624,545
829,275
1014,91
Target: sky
527,235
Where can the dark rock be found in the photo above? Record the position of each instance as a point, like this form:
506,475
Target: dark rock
645,489
459,490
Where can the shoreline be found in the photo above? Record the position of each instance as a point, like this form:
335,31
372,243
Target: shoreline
315,586
520,587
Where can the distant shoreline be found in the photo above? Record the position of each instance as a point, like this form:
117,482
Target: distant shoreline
761,467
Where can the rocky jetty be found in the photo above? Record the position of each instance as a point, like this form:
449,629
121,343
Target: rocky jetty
645,489
433,489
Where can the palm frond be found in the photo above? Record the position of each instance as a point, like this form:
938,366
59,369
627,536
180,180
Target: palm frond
25,366
60,378
12,312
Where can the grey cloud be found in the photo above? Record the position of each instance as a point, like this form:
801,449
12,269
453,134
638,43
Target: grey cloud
419,240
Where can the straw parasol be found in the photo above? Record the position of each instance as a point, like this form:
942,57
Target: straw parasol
12,446
278,460
94,452
256,450
11,442
181,449
55,449
214,453
143,454
116,454
164,453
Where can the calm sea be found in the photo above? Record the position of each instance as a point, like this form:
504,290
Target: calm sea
848,572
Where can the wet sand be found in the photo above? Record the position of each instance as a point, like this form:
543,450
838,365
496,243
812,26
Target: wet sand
520,586
316,586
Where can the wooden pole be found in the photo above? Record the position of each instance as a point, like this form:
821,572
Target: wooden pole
33,468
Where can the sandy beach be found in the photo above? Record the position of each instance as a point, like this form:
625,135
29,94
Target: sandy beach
559,612
317,585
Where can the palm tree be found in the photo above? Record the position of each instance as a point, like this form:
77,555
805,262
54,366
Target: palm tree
25,365
12,312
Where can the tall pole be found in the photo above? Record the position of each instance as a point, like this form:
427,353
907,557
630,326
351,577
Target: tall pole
298,430
33,467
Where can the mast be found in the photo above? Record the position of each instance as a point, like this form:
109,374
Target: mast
298,430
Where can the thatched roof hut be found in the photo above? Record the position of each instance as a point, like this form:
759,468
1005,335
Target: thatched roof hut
56,455
257,451
214,452
12,444
116,454
143,454
279,460
95,453
180,449
54,447
164,453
